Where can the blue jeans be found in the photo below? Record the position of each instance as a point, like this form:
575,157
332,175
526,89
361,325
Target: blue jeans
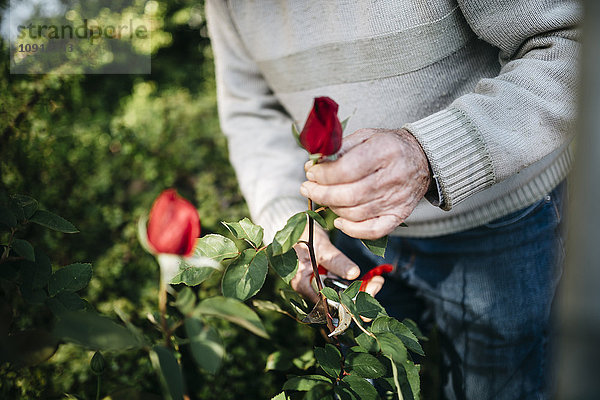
488,291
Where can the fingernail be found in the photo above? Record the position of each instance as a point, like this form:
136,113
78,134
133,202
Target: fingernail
303,191
353,272
310,175
337,223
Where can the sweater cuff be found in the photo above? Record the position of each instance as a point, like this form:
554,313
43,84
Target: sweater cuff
457,153
274,215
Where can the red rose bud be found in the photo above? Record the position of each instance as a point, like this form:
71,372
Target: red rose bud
322,132
377,271
174,224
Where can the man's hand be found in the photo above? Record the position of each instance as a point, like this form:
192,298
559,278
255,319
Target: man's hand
329,257
376,183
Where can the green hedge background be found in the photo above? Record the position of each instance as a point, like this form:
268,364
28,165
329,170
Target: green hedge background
97,149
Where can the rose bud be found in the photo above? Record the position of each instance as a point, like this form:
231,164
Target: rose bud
173,225
322,132
377,271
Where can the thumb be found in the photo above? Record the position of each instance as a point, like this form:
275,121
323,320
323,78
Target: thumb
334,260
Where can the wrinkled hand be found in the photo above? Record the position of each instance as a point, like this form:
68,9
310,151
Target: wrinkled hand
331,259
376,183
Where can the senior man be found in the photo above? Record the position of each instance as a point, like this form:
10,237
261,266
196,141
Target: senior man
461,116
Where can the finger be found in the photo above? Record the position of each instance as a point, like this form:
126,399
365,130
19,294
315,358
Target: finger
342,195
370,229
358,162
375,285
335,261
357,137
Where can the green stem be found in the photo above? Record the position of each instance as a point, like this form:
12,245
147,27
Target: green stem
313,261
162,307
98,389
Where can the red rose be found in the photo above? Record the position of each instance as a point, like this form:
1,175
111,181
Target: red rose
174,224
377,271
322,132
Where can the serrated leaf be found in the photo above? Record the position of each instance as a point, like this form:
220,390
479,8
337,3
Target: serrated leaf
289,235
376,246
246,275
24,249
364,365
186,300
234,311
305,383
216,247
280,396
270,306
352,290
65,302
285,264
28,204
317,217
53,221
392,347
193,270
168,371
71,278
331,294
412,325
368,307
329,358
408,377
363,389
305,361
368,343
296,301
246,230
205,342
94,331
389,324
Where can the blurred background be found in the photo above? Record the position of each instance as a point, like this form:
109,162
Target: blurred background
97,149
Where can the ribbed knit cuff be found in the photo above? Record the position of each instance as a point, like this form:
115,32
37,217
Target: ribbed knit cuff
275,214
457,153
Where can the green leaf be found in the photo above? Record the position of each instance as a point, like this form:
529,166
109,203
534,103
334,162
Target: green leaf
168,371
364,365
234,311
392,347
216,247
53,221
368,343
27,348
331,294
285,264
289,235
344,123
412,325
186,300
24,249
280,396
205,342
305,383
246,230
408,377
361,388
296,301
7,218
71,278
246,275
36,274
194,270
389,324
352,290
368,307
329,358
305,361
66,301
94,331
28,204
376,246
317,217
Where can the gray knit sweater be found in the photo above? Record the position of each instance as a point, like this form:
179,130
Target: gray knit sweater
486,86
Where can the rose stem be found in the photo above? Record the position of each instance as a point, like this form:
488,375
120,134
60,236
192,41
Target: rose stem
313,261
162,307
